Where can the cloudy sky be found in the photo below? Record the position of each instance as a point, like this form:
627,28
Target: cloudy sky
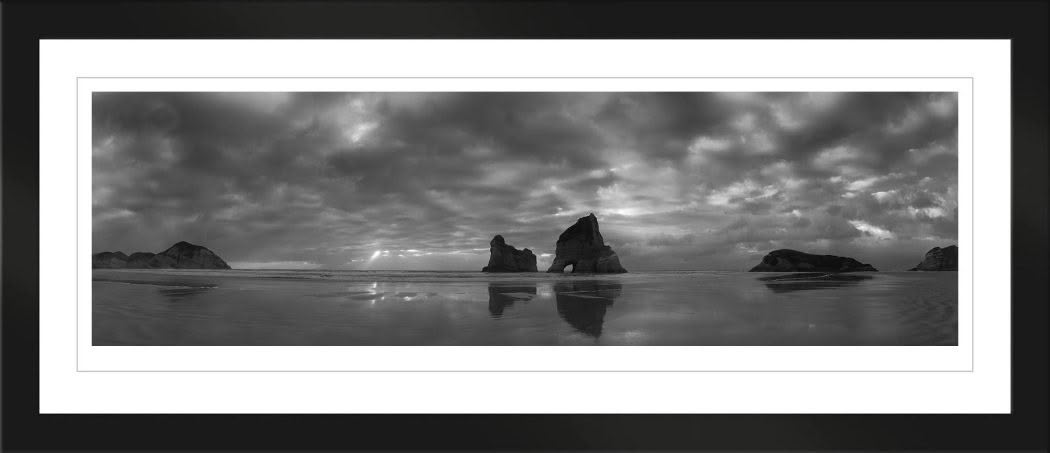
424,180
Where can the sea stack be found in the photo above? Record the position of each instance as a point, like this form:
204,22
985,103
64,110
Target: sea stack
505,258
794,261
582,247
940,259
182,255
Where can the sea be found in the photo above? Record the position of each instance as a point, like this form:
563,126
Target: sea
372,308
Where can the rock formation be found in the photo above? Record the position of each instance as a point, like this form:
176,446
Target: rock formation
109,260
582,247
142,260
795,261
940,259
182,255
505,258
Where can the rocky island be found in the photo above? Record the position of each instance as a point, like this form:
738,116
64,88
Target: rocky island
582,247
794,261
506,258
182,255
940,259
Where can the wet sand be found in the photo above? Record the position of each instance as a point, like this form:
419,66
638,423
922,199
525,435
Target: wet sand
342,308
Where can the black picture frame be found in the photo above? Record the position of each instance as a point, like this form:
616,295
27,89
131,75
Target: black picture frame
25,22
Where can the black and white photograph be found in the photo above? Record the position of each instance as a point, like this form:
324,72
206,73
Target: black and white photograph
687,225
525,218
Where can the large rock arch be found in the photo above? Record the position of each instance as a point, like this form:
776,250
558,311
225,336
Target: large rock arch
582,247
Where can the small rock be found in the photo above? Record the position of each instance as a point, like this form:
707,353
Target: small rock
505,258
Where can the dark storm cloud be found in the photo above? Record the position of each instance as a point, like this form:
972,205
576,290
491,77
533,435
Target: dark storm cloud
424,180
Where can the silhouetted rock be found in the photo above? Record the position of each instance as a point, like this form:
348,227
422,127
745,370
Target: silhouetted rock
794,261
141,260
504,258
582,247
109,260
940,259
182,255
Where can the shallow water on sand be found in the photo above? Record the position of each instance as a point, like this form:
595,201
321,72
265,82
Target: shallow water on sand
345,308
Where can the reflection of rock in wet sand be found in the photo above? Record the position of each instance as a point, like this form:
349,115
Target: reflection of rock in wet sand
185,292
812,280
582,303
503,296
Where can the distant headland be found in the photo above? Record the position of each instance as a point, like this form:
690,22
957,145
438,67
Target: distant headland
939,259
785,260
182,255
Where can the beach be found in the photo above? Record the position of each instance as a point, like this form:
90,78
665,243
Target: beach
405,308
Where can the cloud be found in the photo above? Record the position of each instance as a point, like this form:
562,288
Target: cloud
872,230
678,180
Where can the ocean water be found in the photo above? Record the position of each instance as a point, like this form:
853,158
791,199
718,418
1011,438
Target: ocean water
348,308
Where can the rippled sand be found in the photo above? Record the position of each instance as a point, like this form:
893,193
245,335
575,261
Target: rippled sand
182,307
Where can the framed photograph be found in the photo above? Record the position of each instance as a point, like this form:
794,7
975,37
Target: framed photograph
301,226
